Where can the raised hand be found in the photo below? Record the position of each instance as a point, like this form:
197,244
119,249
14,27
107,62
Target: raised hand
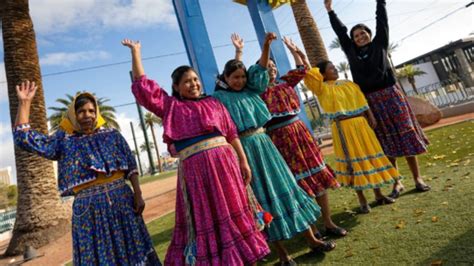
26,91
133,45
290,44
328,5
270,37
237,41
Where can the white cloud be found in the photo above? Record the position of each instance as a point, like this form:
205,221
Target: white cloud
67,59
53,16
3,84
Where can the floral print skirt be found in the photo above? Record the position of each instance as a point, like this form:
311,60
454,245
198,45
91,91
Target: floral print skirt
105,229
302,154
397,128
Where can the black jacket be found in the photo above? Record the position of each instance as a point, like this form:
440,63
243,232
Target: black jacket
369,65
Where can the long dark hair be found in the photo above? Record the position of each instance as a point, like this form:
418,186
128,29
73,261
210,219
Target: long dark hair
83,99
176,77
360,26
229,68
322,65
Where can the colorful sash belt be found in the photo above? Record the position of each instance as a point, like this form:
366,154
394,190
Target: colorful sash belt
283,123
251,132
345,149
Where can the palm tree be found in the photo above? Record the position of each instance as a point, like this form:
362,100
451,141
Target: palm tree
107,112
391,49
343,67
410,72
335,44
143,147
150,121
40,217
309,32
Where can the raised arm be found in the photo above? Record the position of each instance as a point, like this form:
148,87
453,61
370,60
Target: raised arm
25,93
381,30
146,91
339,28
294,76
293,50
137,66
238,43
269,38
32,140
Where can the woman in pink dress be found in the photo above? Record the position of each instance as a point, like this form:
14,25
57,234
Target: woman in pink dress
214,224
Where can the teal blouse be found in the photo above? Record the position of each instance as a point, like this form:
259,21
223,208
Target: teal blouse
246,107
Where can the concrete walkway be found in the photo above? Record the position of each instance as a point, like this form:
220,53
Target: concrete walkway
160,200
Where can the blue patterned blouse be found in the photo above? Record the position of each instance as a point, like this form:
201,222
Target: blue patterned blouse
80,157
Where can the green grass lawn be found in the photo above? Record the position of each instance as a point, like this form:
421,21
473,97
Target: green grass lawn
151,178
420,228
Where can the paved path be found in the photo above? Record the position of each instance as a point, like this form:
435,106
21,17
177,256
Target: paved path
160,200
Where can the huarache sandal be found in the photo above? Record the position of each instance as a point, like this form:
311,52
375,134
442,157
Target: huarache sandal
385,200
318,235
325,247
336,231
290,262
422,187
396,192
364,209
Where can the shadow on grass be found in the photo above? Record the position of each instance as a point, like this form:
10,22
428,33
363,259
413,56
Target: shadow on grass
459,251
346,219
162,237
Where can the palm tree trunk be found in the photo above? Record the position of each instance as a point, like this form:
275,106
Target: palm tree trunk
309,32
40,217
413,86
160,167
309,105
345,75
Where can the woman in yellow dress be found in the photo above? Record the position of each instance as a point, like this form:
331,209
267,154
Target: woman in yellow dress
360,161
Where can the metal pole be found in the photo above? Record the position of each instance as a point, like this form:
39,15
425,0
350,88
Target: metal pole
136,149
147,143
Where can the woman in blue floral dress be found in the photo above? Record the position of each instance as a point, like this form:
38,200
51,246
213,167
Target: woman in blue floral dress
93,163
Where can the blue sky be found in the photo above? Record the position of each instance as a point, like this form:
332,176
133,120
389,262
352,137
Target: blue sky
83,33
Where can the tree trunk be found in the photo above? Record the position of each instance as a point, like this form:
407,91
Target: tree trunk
345,75
309,32
160,167
309,105
413,86
40,216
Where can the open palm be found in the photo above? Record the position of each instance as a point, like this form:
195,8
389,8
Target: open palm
26,90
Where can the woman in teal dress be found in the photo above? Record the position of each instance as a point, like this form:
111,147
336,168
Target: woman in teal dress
273,183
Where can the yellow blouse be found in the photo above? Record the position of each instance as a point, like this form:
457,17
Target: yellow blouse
337,98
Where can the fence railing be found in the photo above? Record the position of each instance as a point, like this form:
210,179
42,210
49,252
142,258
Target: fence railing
445,93
7,220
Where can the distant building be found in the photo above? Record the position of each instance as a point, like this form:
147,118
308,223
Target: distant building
449,77
5,175
455,59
